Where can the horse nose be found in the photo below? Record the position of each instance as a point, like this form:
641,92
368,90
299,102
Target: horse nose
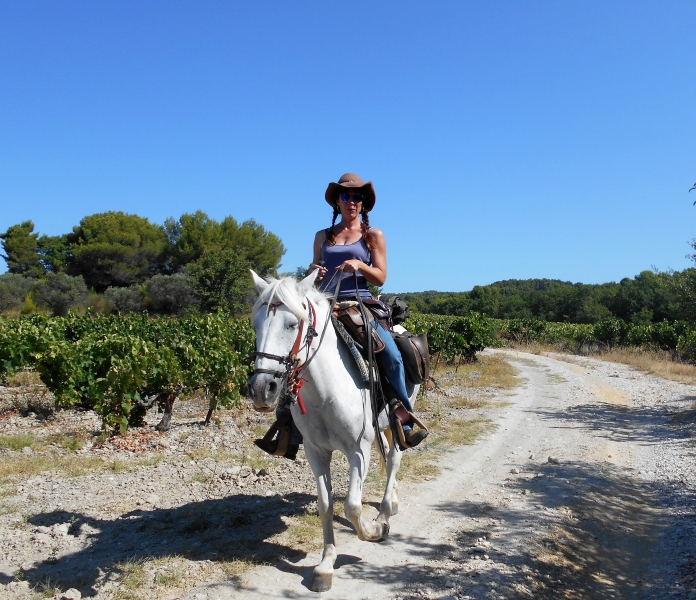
263,392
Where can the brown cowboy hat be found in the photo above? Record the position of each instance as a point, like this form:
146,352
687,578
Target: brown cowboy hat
351,182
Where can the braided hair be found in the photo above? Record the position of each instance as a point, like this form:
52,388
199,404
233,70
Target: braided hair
331,237
368,238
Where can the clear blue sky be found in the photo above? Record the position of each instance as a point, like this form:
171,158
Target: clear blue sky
504,139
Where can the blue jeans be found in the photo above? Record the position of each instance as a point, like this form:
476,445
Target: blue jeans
392,365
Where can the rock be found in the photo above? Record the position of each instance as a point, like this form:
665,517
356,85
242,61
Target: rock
201,596
526,492
450,584
244,471
553,460
531,457
71,594
27,450
515,471
263,473
152,499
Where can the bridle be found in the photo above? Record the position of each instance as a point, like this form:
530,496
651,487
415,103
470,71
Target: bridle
291,377
294,365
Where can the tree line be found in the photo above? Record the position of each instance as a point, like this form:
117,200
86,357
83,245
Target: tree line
120,262
649,297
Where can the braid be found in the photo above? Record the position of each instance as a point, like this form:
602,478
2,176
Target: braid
365,227
331,238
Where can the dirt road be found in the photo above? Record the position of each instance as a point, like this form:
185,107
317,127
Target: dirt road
584,490
583,487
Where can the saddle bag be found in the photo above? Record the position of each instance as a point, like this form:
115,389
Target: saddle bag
414,351
349,314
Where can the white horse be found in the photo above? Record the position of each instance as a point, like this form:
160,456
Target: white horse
338,409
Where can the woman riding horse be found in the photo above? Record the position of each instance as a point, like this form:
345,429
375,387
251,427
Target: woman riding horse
341,251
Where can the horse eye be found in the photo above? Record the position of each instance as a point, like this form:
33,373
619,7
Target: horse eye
292,326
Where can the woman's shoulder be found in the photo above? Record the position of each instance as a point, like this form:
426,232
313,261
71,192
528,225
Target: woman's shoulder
321,235
378,233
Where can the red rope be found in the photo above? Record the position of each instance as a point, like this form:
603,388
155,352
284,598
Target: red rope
296,390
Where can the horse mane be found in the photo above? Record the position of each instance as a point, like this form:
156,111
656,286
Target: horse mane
287,291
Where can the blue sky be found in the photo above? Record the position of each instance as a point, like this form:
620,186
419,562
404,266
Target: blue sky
504,139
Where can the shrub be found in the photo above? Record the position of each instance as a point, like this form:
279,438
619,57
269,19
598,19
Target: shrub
171,294
454,336
60,292
124,299
13,290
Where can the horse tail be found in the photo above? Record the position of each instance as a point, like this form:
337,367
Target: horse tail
383,465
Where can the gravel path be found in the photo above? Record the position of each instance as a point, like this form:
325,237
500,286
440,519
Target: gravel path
584,489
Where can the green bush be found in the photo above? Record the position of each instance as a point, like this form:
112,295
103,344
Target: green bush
60,292
454,336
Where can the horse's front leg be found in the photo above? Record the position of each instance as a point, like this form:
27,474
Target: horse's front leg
390,502
320,461
366,530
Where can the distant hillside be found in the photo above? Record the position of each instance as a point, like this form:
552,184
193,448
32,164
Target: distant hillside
648,297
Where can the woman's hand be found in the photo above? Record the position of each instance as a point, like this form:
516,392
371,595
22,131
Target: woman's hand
322,270
352,266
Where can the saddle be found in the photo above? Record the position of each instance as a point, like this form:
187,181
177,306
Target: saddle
350,316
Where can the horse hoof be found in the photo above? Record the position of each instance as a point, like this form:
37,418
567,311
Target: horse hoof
321,582
385,529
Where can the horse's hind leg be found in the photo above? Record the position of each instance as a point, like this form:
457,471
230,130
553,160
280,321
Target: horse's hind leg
366,530
320,461
390,502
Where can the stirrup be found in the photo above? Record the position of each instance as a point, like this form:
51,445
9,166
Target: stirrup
278,446
400,413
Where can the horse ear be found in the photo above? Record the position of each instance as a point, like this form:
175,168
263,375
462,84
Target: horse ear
259,284
308,282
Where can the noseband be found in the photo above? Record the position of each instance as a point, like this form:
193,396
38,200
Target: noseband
294,366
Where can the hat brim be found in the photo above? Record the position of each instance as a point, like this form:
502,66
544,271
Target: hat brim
367,189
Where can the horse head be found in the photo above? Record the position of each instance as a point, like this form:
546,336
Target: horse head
278,315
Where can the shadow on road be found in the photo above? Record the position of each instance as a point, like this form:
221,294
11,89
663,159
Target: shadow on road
233,528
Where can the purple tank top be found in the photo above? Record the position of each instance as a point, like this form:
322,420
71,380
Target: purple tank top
333,257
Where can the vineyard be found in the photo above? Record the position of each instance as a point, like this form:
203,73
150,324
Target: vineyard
121,366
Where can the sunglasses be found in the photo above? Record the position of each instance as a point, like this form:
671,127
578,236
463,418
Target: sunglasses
347,197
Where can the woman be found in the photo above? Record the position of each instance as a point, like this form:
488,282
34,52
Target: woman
346,248
352,246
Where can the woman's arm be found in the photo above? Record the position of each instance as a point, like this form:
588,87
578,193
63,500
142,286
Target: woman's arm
319,239
377,273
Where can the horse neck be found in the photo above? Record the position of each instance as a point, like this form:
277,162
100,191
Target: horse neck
328,368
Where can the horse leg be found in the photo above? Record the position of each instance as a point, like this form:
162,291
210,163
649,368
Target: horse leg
320,461
390,501
366,530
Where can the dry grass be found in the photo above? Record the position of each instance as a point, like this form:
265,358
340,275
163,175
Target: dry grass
305,533
27,465
71,441
652,362
24,378
655,363
417,466
488,371
461,432
134,576
170,571
19,441
234,568
466,401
